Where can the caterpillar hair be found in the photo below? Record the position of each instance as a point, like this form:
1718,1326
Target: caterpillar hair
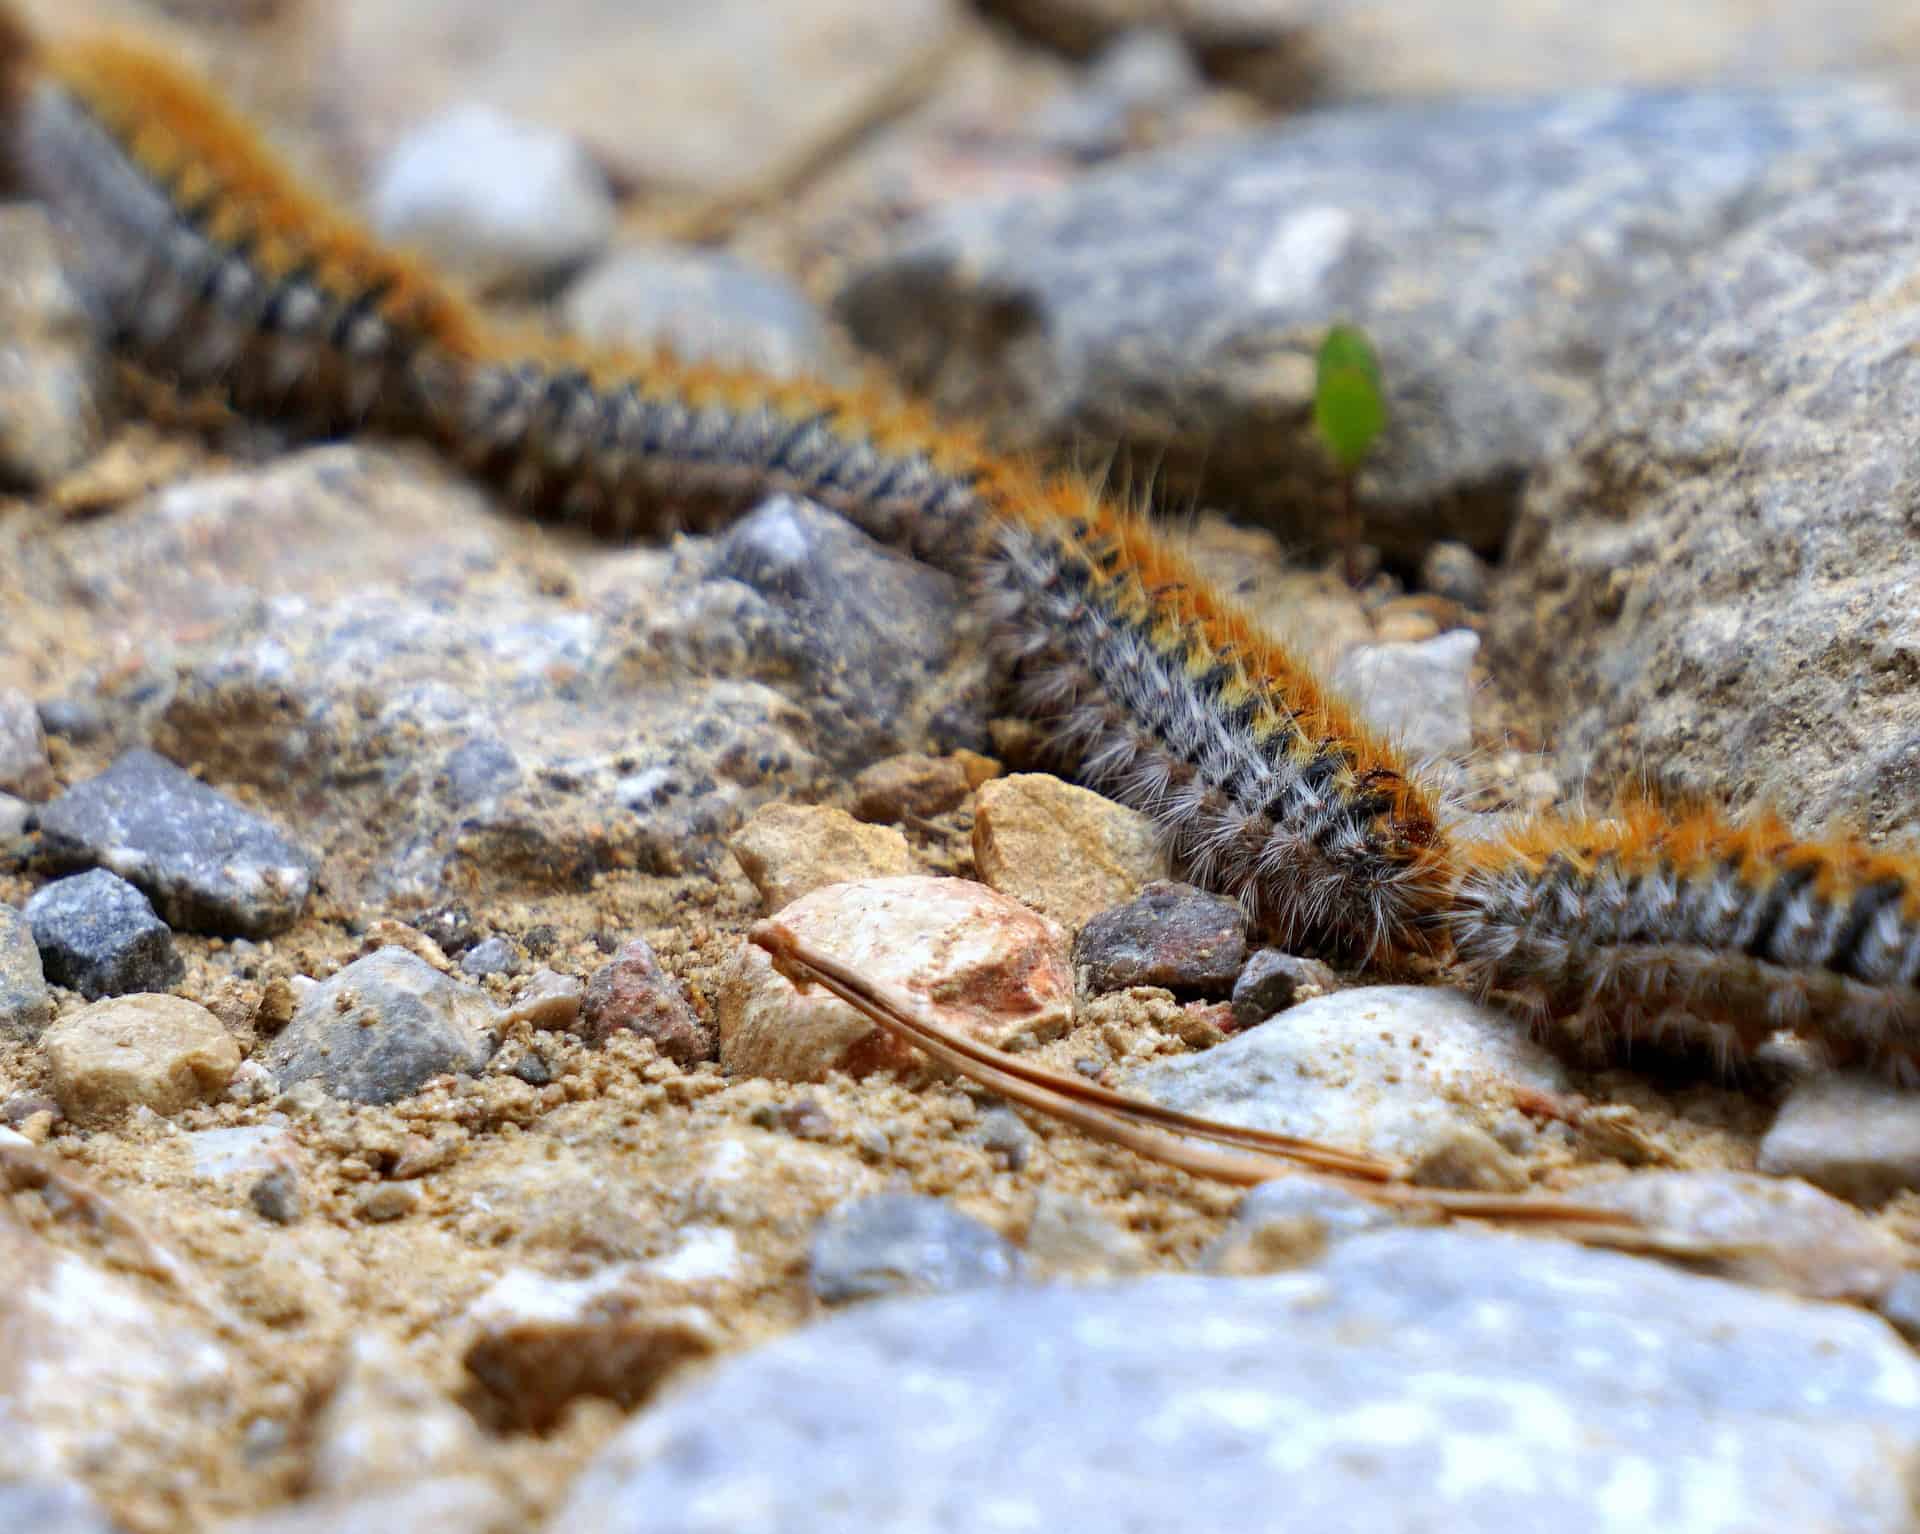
1650,925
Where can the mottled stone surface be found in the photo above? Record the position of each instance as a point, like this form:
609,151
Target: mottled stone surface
1400,1070
207,864
901,1243
381,1028
631,993
25,1007
1856,1136
1495,252
505,204
54,382
1415,1380
989,967
98,935
1714,587
162,1053
1170,935
704,306
1060,848
1273,980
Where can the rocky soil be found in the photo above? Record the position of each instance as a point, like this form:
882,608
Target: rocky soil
396,1131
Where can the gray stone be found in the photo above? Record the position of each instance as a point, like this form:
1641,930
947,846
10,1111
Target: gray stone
1494,251
1172,935
98,935
1415,1380
380,1029
1454,571
900,1243
1901,1305
1763,1230
276,1196
24,769
490,956
51,1507
1002,1132
1856,1136
15,816
1272,980
73,718
1289,1222
1419,694
54,379
506,204
704,305
207,864
25,1007
1397,1069
1710,587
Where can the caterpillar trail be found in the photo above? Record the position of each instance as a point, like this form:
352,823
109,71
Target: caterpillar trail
210,266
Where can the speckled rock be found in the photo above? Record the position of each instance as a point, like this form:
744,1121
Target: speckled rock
506,204
1855,1136
541,1343
994,969
25,1007
1399,1070
790,850
1274,980
1773,1231
380,1029
98,935
54,380
436,1505
157,1052
1419,694
901,1243
1415,1380
207,864
705,306
633,994
1175,303
24,769
683,102
1172,935
1712,588
1062,849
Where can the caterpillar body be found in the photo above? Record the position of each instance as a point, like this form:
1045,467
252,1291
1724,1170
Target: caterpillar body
210,265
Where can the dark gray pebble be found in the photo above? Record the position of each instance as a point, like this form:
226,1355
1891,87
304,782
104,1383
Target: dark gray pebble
98,935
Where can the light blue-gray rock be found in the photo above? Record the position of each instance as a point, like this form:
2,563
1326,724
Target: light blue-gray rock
1416,1380
1399,1070
25,1007
490,956
901,1243
98,935
1418,693
380,1029
1494,250
51,1507
207,864
1854,1135
705,306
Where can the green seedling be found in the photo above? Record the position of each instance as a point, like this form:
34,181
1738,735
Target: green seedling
1349,413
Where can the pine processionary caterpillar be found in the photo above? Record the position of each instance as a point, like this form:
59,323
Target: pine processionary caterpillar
210,266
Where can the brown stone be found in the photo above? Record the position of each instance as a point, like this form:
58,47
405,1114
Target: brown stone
157,1052
635,994
1063,850
789,850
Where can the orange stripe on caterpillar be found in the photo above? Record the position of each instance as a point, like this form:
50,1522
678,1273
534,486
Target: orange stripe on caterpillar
1649,924
208,263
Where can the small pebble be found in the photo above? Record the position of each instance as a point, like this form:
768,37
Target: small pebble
1420,695
1061,849
98,935
385,1202
491,956
633,994
505,204
790,850
451,927
15,816
276,1196
1003,1133
24,768
910,787
75,719
1454,571
160,1053
1273,980
1856,1136
1170,935
1287,1223
1068,1239
548,1001
901,1243
25,1006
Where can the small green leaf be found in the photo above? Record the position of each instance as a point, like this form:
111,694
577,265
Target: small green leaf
1349,410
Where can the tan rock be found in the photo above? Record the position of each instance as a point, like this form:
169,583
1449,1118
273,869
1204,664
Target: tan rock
540,1343
157,1052
548,1000
1063,850
993,969
911,786
789,850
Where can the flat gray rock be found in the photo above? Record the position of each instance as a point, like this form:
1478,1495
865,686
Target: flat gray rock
207,864
1712,588
1399,1070
380,1029
25,1007
1416,1380
901,1243
98,935
1853,1135
1495,251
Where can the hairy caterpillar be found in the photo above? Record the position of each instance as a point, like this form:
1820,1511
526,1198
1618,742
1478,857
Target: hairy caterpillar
209,265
